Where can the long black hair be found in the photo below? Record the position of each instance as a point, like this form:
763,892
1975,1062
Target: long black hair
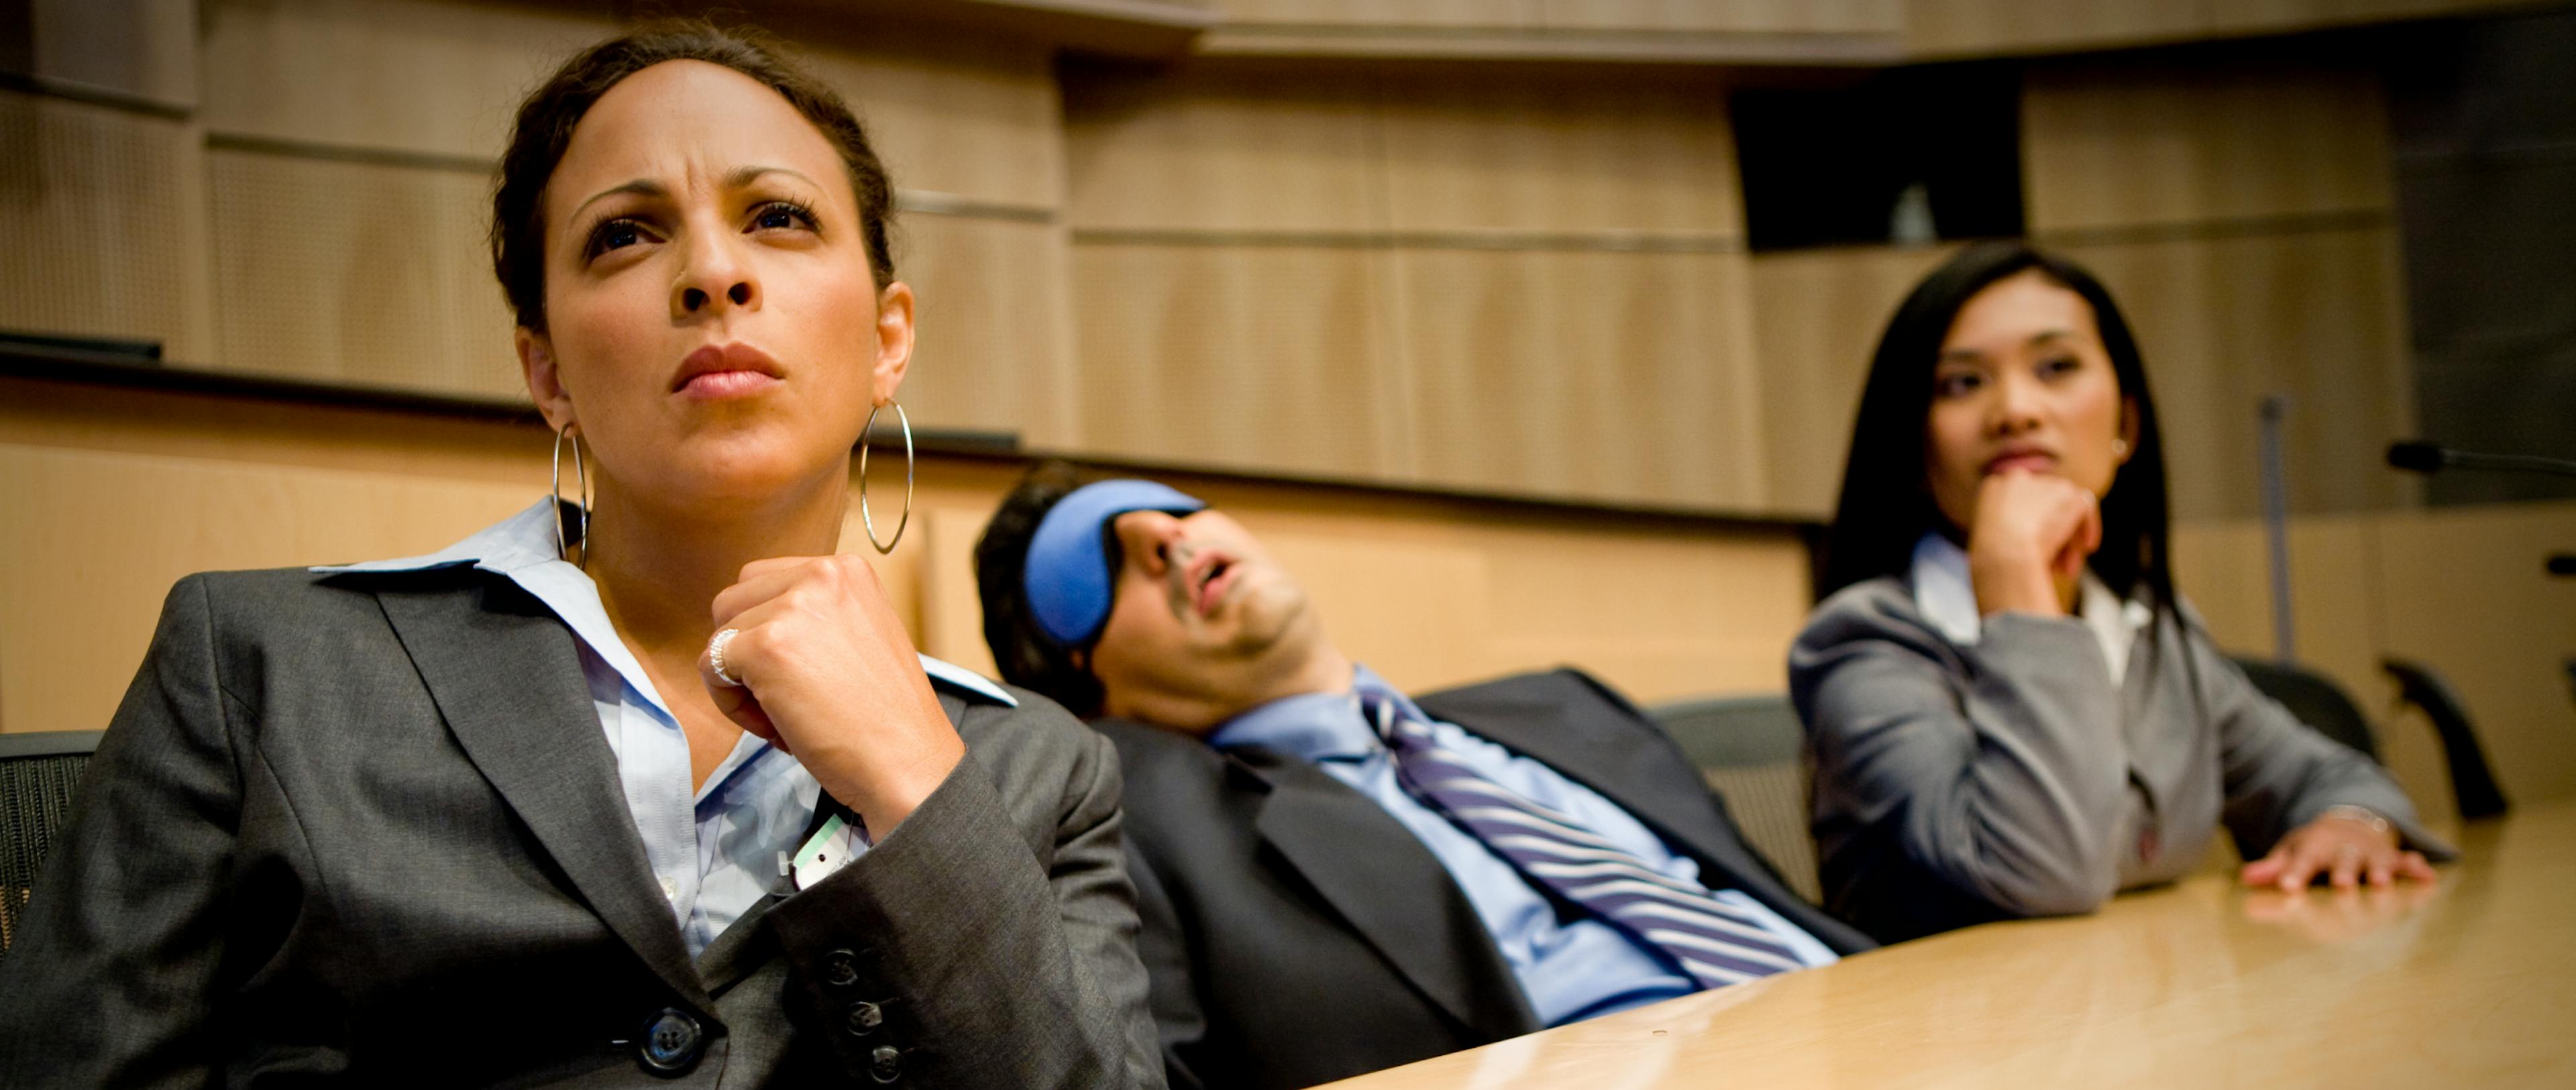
1886,503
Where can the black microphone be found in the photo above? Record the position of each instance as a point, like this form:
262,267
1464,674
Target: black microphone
2418,456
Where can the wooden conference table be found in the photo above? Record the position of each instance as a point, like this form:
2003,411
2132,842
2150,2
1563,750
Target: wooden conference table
2471,982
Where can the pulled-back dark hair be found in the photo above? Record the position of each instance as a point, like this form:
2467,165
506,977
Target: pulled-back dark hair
1887,504
546,120
1026,656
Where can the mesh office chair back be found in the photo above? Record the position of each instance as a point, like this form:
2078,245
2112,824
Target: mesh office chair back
39,773
1753,753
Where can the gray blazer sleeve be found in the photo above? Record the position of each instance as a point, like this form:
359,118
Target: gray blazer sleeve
1991,773
2279,773
123,994
1013,964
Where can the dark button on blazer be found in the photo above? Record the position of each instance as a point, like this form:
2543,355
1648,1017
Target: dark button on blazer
1296,933
366,829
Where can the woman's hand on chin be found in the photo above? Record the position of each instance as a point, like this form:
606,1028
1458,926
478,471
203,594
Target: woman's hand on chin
2034,532
829,675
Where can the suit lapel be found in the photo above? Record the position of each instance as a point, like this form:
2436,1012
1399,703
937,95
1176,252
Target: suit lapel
505,675
1391,889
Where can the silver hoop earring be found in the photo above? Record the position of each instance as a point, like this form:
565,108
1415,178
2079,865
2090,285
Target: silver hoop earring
867,520
581,475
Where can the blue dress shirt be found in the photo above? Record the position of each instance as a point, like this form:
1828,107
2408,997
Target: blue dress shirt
716,850
1570,970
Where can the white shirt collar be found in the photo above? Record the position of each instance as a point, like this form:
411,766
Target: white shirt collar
1946,595
522,548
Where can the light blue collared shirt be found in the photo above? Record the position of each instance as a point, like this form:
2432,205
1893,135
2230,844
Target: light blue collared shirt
719,849
1569,970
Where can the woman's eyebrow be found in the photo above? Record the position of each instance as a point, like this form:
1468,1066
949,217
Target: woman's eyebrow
646,187
2046,335
641,187
743,176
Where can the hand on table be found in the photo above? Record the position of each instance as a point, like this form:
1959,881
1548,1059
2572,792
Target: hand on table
2345,851
829,675
2034,532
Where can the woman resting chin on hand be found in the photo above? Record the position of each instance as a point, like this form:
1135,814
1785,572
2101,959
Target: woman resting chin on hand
2012,712
652,787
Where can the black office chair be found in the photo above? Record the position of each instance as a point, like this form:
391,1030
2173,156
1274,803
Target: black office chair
38,775
2316,700
1753,753
2473,785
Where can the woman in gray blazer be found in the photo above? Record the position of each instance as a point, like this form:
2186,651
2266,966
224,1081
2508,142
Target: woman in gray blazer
648,788
2012,713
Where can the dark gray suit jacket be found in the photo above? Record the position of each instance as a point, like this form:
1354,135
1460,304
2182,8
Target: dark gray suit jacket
1297,933
366,829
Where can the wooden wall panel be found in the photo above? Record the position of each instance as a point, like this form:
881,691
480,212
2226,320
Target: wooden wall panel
361,273
434,76
1817,316
117,530
1938,28
1620,376
140,47
139,488
1736,16
976,117
1388,13
2316,315
2256,16
1548,288
2459,589
1479,151
104,227
2463,591
2116,144
1272,359
995,347
1259,152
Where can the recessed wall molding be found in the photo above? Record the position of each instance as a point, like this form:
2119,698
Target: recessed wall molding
1650,242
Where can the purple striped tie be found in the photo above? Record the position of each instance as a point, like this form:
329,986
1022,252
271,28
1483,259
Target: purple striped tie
1712,941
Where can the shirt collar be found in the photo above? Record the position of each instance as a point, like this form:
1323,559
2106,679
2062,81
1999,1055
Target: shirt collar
1946,595
522,549
1313,727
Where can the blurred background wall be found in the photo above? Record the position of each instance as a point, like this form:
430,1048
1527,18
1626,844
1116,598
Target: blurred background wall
1531,330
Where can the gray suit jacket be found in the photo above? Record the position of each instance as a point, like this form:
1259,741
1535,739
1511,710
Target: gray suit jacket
1957,785
366,829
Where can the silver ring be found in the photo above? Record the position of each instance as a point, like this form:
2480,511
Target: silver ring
716,658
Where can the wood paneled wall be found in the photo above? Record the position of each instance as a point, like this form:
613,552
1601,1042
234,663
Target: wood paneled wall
136,489
308,195
2459,589
1509,282
2237,206
1955,28
1519,279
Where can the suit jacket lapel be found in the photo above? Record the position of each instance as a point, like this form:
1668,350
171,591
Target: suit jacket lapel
508,680
1391,889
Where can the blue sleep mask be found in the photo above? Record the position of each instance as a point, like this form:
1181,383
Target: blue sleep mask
1067,575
